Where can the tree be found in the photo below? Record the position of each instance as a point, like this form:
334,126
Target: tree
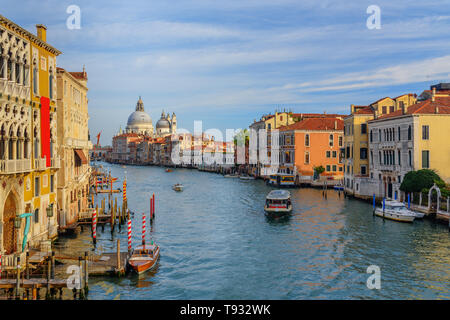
418,181
241,138
319,170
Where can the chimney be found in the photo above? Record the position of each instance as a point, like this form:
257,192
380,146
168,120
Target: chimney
437,110
433,98
335,124
41,32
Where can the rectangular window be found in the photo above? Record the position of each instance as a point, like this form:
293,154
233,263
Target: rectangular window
306,157
384,110
334,168
52,183
340,141
37,186
363,170
331,140
363,153
340,169
363,128
425,159
328,154
307,140
391,109
334,154
36,216
425,132
328,168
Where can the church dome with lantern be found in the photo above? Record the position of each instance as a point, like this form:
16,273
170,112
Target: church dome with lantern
140,121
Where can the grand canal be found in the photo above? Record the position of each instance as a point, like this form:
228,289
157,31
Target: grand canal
216,243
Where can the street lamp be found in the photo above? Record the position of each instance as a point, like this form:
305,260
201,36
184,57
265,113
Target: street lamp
49,215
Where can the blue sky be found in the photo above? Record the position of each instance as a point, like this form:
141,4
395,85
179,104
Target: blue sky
228,62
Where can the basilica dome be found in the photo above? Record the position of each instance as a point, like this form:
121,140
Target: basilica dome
140,121
163,124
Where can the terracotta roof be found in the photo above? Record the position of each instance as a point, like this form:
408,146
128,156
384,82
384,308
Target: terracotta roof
380,100
317,115
406,94
440,106
363,110
79,75
318,124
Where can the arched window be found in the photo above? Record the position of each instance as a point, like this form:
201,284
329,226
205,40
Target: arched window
35,78
17,71
409,132
331,140
410,158
399,157
307,140
50,84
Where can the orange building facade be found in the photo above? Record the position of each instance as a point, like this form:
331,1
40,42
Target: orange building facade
311,143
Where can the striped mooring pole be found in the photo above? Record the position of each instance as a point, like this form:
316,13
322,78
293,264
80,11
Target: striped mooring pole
124,192
143,228
153,206
151,209
94,226
0,264
129,235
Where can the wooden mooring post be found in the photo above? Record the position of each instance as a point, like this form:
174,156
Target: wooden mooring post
27,266
86,273
18,278
80,265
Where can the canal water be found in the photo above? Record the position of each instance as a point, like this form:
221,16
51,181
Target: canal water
216,243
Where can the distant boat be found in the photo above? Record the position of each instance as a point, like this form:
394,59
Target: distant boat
231,176
144,258
278,202
395,210
338,187
178,187
168,170
246,178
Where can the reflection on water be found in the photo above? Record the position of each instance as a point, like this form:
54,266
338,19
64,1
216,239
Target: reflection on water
217,243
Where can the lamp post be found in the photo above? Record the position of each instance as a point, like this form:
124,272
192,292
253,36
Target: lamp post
49,215
17,223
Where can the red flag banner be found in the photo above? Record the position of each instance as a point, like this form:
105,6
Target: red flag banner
45,129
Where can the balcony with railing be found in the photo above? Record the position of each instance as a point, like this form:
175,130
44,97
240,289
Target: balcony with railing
56,163
40,164
15,166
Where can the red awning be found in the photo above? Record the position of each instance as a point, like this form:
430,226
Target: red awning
81,155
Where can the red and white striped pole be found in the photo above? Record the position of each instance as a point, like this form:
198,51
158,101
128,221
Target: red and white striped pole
129,235
94,226
143,228
151,209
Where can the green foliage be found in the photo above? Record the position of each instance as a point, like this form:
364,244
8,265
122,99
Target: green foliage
421,181
319,170
241,137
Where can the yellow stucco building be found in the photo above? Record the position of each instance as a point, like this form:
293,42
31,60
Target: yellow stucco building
73,145
356,138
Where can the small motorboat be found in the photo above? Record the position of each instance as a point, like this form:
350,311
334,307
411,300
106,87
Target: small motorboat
278,202
168,170
395,210
144,258
231,176
339,187
178,187
246,178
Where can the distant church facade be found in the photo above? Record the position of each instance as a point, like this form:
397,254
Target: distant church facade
140,122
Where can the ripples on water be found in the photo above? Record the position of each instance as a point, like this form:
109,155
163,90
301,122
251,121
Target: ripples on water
216,243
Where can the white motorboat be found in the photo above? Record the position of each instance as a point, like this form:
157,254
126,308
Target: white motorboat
178,187
395,210
246,178
278,202
231,176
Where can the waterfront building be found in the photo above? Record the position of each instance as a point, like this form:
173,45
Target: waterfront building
310,143
411,138
28,146
124,147
74,145
355,151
